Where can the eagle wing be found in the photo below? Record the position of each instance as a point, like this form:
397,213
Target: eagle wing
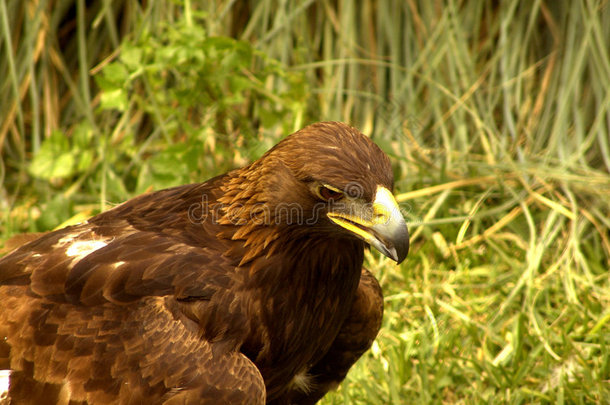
96,313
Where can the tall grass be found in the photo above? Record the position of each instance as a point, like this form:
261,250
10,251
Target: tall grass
496,115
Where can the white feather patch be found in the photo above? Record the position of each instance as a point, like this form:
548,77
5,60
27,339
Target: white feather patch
302,382
82,248
118,264
4,381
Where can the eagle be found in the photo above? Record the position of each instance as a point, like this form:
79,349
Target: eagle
248,288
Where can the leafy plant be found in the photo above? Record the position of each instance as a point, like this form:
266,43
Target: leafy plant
175,105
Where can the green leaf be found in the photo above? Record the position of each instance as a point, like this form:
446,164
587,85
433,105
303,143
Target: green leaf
131,56
48,165
82,135
114,99
54,212
114,75
54,159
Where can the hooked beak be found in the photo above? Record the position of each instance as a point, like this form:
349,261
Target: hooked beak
383,227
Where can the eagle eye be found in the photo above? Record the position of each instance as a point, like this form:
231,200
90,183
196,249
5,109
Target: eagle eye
327,193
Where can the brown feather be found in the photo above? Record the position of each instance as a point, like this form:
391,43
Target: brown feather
236,290
18,240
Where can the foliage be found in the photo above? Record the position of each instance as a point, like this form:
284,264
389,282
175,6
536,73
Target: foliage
496,115
172,105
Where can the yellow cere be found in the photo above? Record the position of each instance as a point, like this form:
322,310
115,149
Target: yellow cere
384,205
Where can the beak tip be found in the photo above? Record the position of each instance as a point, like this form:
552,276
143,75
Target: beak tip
401,254
398,251
392,254
400,258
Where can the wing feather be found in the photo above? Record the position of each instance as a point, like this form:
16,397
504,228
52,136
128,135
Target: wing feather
121,269
110,355
124,310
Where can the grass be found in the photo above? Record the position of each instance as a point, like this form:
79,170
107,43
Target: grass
496,117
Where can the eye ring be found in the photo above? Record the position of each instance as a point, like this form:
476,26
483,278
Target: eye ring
329,193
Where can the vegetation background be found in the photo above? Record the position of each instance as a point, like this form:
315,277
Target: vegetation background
495,114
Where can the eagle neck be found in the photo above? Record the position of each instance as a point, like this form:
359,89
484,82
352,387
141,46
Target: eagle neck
309,289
